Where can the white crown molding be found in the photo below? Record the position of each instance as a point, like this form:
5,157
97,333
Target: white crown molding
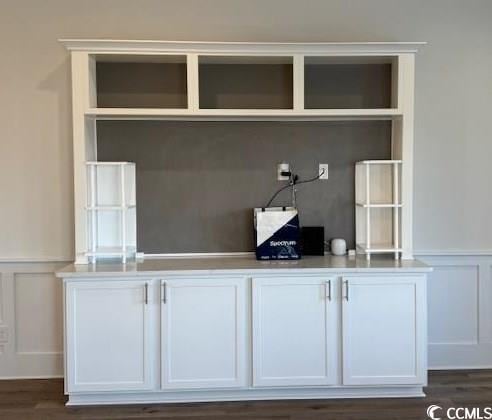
306,48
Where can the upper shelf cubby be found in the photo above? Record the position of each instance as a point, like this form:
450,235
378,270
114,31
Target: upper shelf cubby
141,81
239,80
350,82
245,82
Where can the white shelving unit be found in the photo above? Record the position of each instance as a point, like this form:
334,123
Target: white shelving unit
378,207
208,81
111,210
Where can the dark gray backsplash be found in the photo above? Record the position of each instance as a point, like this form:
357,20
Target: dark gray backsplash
198,182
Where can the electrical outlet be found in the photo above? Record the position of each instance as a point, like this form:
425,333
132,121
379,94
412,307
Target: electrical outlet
323,169
282,167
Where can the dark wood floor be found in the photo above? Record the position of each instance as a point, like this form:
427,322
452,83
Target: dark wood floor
44,399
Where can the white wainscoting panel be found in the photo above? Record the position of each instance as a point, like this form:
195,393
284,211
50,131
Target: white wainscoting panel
31,321
1,301
454,286
459,311
38,298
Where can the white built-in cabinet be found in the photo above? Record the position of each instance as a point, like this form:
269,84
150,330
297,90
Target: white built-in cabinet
203,334
230,336
295,327
108,336
384,329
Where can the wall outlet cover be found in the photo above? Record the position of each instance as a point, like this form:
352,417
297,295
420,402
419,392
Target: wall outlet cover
282,167
323,169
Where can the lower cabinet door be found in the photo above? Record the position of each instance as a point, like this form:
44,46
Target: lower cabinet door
107,336
384,330
204,329
295,322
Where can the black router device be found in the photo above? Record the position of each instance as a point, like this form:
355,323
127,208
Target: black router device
313,240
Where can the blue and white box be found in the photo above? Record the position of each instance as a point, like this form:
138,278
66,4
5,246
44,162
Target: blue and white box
277,233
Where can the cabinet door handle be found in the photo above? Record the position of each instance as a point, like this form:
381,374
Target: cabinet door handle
164,292
346,284
328,286
146,293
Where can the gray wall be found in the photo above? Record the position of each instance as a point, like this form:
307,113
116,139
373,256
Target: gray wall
197,182
453,99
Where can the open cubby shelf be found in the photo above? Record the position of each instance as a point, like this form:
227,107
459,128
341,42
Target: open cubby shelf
378,207
111,210
245,82
249,86
141,82
349,83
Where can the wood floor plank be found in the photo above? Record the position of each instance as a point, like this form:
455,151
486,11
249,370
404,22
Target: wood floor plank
44,399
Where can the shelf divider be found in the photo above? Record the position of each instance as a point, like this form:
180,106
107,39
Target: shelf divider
193,84
298,82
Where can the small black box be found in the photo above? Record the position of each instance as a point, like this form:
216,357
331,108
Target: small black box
313,240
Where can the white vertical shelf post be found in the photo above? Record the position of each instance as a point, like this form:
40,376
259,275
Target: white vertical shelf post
405,138
92,213
83,146
298,82
396,210
123,213
192,82
368,211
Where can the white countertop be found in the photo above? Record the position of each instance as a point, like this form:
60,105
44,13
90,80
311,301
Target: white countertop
242,265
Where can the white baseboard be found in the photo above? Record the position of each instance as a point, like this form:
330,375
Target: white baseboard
245,395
